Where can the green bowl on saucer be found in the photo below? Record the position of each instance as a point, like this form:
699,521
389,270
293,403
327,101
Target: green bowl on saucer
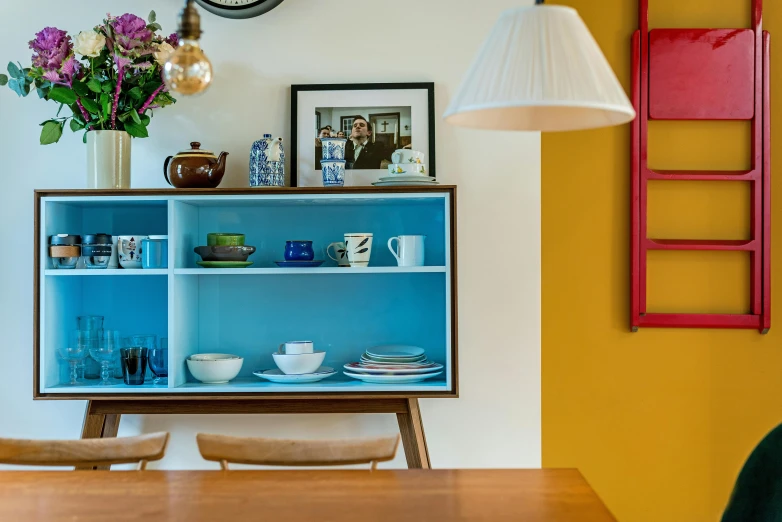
224,239
224,264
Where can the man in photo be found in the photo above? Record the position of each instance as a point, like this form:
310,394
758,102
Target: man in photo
361,153
324,132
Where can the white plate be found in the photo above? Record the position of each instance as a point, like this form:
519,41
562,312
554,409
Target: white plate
377,369
421,361
279,377
397,351
408,177
391,379
402,183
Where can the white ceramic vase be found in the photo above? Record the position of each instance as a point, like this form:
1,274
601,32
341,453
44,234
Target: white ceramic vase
108,159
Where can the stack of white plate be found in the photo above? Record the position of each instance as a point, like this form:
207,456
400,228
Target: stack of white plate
405,180
394,364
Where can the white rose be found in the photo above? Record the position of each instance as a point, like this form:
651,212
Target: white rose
164,50
89,43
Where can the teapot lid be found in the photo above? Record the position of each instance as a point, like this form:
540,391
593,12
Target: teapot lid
195,150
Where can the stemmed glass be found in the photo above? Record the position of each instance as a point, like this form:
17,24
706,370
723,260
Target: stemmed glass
105,351
75,352
158,362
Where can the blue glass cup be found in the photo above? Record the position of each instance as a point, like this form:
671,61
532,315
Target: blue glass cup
158,362
299,251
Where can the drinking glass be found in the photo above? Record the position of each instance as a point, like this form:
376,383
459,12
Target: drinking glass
90,323
74,352
135,351
158,362
90,368
105,351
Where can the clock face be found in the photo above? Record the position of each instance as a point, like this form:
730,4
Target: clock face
238,8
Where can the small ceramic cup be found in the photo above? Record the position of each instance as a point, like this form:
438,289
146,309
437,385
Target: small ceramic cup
224,239
333,173
407,156
154,252
129,251
333,148
359,248
409,250
397,169
296,347
299,250
340,254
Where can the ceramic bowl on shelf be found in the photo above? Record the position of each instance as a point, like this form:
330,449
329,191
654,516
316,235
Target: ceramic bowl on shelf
224,253
214,368
224,239
300,363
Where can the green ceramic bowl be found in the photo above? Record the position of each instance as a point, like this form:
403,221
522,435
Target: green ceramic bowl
224,239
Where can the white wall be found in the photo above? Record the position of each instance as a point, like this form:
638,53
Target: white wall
496,422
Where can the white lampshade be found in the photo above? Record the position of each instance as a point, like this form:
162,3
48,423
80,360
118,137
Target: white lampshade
540,69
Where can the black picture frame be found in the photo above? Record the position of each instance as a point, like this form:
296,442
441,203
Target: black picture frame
296,89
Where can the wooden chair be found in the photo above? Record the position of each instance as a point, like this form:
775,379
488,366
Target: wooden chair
277,452
86,453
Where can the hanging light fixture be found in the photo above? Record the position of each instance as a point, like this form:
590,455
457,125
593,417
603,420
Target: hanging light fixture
540,69
188,70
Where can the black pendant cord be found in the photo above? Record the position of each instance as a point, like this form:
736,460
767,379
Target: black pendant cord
538,2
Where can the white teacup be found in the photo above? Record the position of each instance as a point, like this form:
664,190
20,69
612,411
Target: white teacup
415,169
129,251
407,156
359,248
340,255
296,347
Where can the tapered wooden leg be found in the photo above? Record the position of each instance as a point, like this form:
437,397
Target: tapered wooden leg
99,425
411,427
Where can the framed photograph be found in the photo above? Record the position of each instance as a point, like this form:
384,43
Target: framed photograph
375,118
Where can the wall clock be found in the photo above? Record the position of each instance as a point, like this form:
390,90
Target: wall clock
238,8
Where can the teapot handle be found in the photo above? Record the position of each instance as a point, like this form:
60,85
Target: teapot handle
165,169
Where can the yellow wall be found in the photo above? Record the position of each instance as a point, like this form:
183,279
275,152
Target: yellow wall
658,421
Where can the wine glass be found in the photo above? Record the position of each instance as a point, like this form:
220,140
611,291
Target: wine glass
158,362
105,352
75,352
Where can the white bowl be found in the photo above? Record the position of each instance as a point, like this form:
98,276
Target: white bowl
299,363
214,368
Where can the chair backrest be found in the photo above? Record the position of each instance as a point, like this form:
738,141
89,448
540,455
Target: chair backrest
85,452
277,452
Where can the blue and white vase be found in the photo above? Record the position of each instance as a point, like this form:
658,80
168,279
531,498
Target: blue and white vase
333,148
333,173
267,163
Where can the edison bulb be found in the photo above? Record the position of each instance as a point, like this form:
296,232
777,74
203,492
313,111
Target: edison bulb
188,70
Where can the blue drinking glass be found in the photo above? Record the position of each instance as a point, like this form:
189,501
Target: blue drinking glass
158,362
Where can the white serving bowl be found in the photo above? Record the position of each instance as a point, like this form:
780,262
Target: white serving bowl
214,368
299,363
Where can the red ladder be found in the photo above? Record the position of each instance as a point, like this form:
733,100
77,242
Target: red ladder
703,74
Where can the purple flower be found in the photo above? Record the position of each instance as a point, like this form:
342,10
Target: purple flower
131,31
173,40
50,48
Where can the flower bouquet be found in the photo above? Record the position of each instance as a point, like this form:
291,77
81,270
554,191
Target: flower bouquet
108,77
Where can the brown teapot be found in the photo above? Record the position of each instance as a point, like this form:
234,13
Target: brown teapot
195,168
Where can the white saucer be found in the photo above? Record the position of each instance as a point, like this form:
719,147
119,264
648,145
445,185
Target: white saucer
396,351
403,183
408,177
378,369
279,377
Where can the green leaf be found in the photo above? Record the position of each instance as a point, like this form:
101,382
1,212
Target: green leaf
145,120
94,85
3,79
108,86
105,102
136,93
151,87
76,126
41,93
90,106
15,71
84,138
152,17
51,132
63,95
60,110
136,130
19,87
135,116
154,27
81,89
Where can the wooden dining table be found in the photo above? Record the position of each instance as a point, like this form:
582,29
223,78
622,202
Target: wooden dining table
548,495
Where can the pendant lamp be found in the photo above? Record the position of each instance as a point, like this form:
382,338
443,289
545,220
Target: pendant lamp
540,69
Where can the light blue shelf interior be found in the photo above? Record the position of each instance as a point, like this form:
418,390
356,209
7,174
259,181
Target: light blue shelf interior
132,305
342,314
269,224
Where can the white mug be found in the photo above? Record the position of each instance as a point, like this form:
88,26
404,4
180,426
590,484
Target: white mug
409,250
359,248
340,254
296,347
407,156
129,251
